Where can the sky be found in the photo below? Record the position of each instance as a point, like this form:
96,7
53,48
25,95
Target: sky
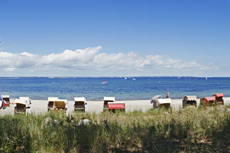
115,38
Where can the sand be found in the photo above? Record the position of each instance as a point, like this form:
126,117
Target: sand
40,106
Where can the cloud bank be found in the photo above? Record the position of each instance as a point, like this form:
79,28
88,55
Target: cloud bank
91,59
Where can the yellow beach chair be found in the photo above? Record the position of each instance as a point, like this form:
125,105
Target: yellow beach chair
54,103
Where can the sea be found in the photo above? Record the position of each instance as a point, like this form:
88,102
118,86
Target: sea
122,88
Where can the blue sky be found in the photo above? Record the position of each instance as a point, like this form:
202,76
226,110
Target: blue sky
115,38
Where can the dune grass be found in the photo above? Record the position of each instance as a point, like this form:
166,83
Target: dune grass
188,130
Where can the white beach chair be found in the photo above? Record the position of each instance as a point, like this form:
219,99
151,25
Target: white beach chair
7,100
22,105
154,101
106,100
164,102
80,104
159,102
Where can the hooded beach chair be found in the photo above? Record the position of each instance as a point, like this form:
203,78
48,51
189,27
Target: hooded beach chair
208,101
159,102
189,101
106,100
154,101
80,104
2,103
51,102
219,98
6,98
164,102
22,105
54,103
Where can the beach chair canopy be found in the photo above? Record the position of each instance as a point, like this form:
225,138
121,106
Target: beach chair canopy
117,105
190,98
219,95
20,101
157,97
210,99
5,96
164,101
25,98
79,99
52,98
109,98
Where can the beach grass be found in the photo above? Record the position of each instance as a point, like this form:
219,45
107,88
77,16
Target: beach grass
188,130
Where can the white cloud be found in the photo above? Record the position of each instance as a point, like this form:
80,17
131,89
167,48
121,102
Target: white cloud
91,59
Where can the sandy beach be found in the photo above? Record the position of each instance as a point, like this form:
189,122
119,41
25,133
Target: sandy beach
40,106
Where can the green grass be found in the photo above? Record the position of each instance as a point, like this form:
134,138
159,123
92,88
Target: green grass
188,130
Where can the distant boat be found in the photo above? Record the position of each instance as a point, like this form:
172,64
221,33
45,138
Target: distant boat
206,78
105,82
134,79
125,78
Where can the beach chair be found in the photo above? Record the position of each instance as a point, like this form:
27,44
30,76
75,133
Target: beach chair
219,98
22,105
106,100
164,103
154,101
157,102
58,104
208,101
7,100
51,102
112,106
80,104
189,101
1,103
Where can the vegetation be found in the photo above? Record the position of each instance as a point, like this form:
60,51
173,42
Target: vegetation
188,130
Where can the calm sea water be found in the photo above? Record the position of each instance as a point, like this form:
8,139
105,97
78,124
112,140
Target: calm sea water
121,88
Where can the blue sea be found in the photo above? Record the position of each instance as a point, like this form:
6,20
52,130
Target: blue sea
119,87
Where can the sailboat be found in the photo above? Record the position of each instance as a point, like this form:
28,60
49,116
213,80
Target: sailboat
178,77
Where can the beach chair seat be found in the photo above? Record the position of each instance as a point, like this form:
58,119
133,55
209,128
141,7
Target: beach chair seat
106,100
112,106
189,101
80,104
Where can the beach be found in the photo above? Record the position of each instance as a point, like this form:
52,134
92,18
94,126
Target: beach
41,106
